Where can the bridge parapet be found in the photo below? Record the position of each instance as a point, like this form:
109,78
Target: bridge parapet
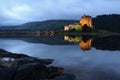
44,33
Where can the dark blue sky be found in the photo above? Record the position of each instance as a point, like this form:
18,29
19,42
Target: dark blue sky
21,11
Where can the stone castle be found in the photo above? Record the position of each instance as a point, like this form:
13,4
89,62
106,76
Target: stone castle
85,20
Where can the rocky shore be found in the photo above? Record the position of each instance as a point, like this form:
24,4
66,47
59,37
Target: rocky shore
23,67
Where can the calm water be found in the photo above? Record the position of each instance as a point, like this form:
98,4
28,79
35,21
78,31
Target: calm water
87,59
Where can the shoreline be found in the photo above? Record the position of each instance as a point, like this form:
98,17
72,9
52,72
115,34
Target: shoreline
23,67
99,33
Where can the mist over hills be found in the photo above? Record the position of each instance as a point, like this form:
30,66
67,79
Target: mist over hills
105,22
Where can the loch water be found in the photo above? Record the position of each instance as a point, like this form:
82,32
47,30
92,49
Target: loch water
88,58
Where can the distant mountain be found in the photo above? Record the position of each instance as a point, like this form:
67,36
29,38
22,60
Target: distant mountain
49,24
105,22
8,27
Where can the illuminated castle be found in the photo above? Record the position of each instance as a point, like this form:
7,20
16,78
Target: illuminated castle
85,20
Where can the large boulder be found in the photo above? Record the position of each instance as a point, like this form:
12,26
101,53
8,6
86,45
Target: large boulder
23,61
4,53
36,71
54,72
22,67
32,71
6,73
65,76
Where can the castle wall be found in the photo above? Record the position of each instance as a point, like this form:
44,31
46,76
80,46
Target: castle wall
66,28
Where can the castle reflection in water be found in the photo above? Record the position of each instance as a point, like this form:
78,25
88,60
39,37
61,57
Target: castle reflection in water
85,44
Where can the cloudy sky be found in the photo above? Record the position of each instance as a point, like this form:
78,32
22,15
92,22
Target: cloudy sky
21,11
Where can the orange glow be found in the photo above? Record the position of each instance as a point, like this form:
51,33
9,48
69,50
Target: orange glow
66,38
52,33
46,33
86,20
66,28
85,45
37,33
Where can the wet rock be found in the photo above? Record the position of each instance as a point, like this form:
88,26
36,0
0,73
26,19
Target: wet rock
7,70
13,55
65,76
46,61
22,61
6,73
36,71
32,71
17,56
55,71
2,51
22,67
4,54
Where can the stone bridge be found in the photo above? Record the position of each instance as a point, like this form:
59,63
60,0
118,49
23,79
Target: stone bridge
27,33
44,33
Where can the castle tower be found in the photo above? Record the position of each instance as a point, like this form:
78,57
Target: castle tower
86,20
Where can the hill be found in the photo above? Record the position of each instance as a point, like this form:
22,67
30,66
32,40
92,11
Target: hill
8,27
49,24
105,22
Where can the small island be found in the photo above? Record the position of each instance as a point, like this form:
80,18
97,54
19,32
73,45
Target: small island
85,21
99,26
85,27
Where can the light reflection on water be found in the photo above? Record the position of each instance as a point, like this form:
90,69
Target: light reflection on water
89,65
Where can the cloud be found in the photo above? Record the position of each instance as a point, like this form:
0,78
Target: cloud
18,12
21,11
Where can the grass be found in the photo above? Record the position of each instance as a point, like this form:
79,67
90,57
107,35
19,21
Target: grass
89,33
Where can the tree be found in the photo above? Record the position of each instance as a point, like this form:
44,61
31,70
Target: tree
86,28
